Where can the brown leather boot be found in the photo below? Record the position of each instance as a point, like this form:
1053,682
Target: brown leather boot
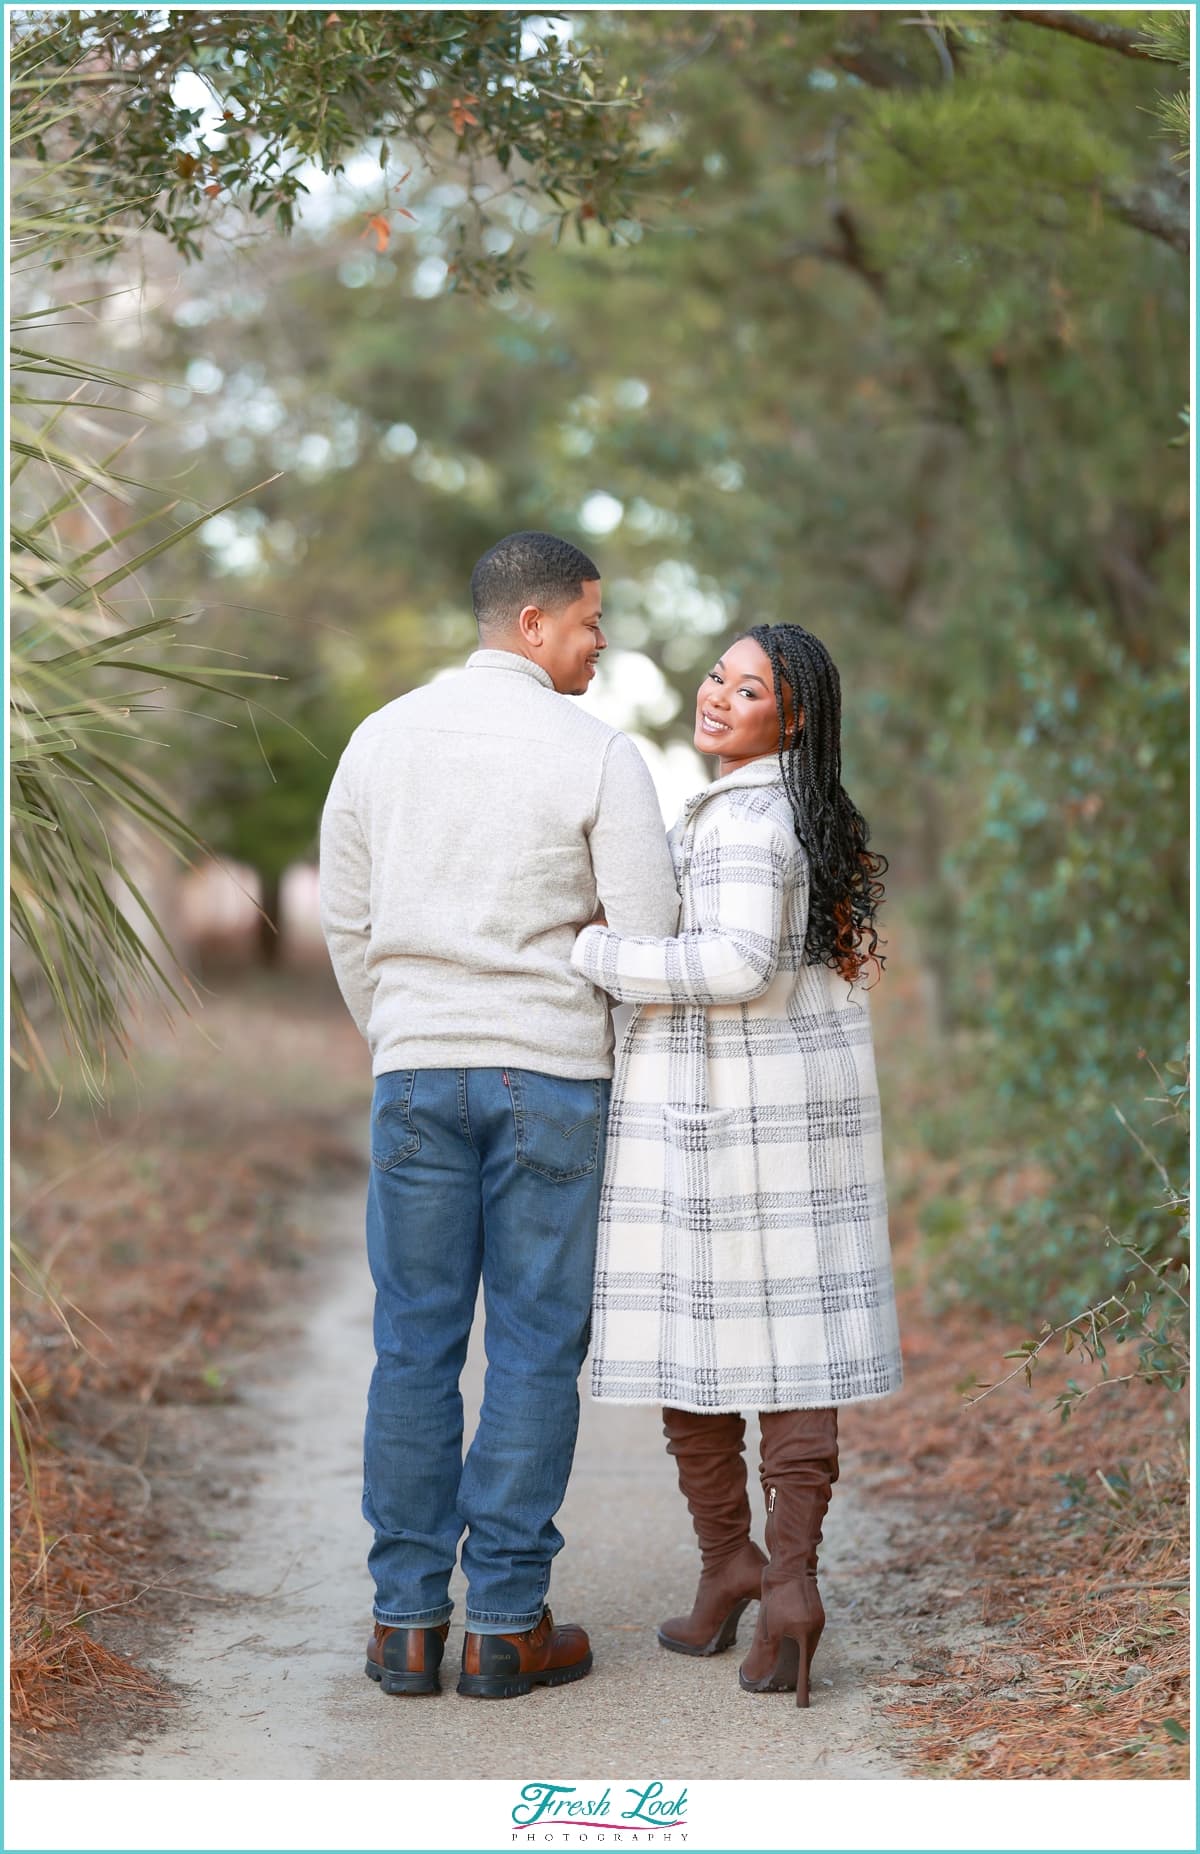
505,1666
799,1467
712,1479
406,1660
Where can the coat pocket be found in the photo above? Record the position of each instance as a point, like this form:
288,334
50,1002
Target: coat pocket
712,1176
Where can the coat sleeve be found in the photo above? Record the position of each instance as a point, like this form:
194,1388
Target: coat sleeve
635,878
345,893
740,872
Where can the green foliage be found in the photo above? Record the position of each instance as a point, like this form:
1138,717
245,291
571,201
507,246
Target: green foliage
1074,890
307,87
80,803
1168,34
257,799
1149,1310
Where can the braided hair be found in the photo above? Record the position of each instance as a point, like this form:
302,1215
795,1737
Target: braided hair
845,886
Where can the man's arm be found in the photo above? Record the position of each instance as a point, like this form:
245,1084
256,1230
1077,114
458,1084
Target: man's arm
635,879
346,897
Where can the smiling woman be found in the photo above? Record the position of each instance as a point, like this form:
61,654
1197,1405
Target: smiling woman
735,708
743,1259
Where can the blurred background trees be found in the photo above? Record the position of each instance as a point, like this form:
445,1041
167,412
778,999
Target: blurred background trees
109,161
875,321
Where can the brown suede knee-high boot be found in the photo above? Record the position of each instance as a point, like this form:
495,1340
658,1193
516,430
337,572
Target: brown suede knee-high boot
799,1467
712,1477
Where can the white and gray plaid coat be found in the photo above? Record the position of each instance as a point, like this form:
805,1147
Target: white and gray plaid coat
743,1258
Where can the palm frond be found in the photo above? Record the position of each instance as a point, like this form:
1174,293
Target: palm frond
89,952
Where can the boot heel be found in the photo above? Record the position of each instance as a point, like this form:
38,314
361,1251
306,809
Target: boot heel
790,1668
803,1660
394,1683
806,1656
494,1686
793,1664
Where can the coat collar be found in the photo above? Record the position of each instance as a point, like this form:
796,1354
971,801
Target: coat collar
764,771
509,660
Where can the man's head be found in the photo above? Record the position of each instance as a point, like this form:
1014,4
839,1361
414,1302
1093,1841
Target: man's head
540,597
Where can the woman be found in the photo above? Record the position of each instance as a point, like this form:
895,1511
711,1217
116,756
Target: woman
743,1258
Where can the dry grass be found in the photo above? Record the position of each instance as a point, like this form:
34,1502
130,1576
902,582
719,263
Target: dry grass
1069,1541
1060,1551
169,1229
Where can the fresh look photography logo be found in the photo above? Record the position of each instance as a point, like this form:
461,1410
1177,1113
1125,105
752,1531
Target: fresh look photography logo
561,1812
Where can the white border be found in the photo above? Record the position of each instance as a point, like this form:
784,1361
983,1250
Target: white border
769,1815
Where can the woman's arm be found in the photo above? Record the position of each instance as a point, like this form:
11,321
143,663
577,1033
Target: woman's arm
739,876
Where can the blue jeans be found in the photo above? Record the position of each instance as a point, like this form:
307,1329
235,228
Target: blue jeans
492,1174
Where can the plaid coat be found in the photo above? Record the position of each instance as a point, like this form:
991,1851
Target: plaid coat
743,1258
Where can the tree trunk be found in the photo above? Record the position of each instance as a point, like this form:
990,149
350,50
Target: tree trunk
270,930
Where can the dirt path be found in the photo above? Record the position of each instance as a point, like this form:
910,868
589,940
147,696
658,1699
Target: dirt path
272,1675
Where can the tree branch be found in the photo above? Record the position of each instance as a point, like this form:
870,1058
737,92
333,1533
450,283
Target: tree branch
1092,31
1151,210
848,250
875,68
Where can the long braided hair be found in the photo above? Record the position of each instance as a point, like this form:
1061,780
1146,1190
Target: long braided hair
845,886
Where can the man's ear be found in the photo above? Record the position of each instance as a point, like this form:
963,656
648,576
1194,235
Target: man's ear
529,624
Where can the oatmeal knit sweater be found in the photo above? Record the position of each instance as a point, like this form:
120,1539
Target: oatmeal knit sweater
471,828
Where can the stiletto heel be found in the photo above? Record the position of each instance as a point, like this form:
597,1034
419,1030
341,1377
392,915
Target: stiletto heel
805,1653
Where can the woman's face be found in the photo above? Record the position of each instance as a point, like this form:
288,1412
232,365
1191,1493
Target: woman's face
736,716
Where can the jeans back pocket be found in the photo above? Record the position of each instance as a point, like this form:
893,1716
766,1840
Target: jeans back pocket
394,1138
558,1123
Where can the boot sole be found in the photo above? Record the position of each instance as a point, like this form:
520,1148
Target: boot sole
395,1683
724,1638
790,1673
515,1686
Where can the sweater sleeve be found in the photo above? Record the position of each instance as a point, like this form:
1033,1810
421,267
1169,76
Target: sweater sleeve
635,878
738,878
345,894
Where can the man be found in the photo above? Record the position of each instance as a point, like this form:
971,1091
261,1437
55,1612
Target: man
471,829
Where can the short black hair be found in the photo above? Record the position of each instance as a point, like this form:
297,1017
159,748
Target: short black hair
527,569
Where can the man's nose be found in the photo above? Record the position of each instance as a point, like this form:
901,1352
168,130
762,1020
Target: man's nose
601,641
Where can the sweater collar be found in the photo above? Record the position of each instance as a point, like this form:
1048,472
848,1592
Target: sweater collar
509,660
763,771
